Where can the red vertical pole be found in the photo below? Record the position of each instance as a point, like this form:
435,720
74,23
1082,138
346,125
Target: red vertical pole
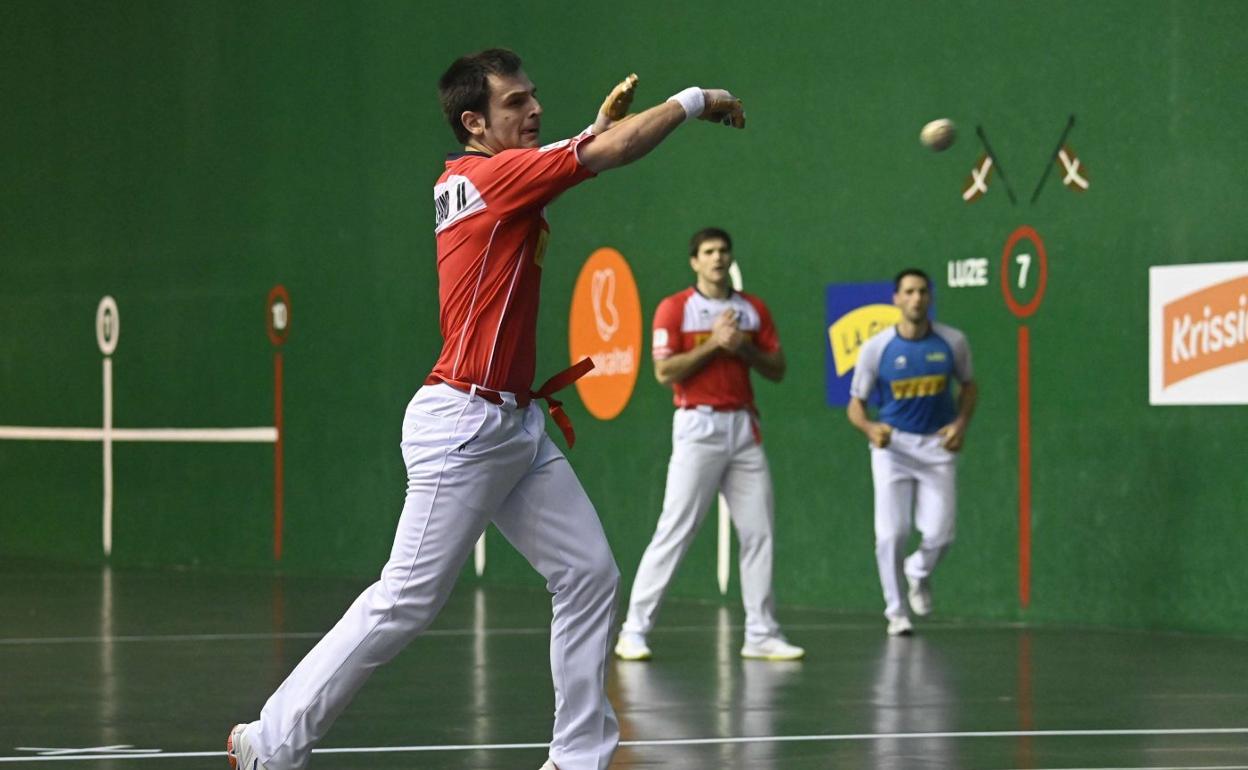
1024,466
278,486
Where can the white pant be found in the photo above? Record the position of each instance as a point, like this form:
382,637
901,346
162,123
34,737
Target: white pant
469,462
913,471
711,451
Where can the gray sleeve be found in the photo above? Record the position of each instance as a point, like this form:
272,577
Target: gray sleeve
867,369
962,368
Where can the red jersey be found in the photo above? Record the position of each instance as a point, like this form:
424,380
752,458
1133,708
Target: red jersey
491,233
683,321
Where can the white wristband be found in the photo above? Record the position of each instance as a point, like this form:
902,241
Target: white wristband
693,100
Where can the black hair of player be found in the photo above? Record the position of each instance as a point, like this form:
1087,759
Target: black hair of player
465,86
708,234
911,271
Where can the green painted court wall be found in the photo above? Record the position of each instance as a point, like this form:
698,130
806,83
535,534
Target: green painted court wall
186,157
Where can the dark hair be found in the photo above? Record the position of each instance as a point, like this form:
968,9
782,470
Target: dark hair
708,234
911,271
464,86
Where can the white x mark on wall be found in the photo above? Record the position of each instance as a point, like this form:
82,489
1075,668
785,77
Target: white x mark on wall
979,179
1071,165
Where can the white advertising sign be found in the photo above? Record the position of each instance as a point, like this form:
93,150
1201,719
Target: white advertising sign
1198,334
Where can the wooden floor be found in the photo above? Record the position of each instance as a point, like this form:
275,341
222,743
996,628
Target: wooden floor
149,669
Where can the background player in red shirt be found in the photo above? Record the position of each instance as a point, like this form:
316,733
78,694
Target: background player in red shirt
706,340
475,446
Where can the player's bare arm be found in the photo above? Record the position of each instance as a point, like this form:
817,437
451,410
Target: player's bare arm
878,433
770,365
955,432
683,365
632,139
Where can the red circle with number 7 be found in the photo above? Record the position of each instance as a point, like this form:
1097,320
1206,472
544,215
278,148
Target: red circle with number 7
1020,310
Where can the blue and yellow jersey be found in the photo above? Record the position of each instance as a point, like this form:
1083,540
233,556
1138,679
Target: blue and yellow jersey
911,378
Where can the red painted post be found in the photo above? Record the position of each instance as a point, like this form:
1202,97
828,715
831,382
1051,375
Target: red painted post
1024,466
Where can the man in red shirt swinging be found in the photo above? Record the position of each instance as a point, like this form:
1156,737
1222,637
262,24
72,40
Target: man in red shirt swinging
474,444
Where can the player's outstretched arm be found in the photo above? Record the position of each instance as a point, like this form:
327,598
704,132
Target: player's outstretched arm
632,139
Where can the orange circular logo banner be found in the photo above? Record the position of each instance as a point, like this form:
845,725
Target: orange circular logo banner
605,325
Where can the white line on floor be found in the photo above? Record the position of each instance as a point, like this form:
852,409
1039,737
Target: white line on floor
536,630
723,741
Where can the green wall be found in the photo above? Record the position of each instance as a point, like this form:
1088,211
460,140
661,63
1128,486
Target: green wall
185,157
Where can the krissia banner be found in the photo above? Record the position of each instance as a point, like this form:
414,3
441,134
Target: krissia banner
1198,334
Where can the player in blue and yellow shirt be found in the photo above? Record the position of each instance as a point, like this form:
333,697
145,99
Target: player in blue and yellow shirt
910,369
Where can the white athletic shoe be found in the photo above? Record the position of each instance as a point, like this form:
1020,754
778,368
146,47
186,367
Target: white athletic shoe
772,648
920,596
631,646
900,626
550,765
239,751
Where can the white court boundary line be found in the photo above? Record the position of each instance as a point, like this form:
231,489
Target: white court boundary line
243,637
264,636
829,738
512,631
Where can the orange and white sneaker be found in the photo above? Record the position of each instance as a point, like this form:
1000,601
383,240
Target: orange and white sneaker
239,751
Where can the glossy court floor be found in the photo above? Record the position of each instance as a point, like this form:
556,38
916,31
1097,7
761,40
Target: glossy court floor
103,669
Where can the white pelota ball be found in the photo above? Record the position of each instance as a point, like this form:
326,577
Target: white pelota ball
939,134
